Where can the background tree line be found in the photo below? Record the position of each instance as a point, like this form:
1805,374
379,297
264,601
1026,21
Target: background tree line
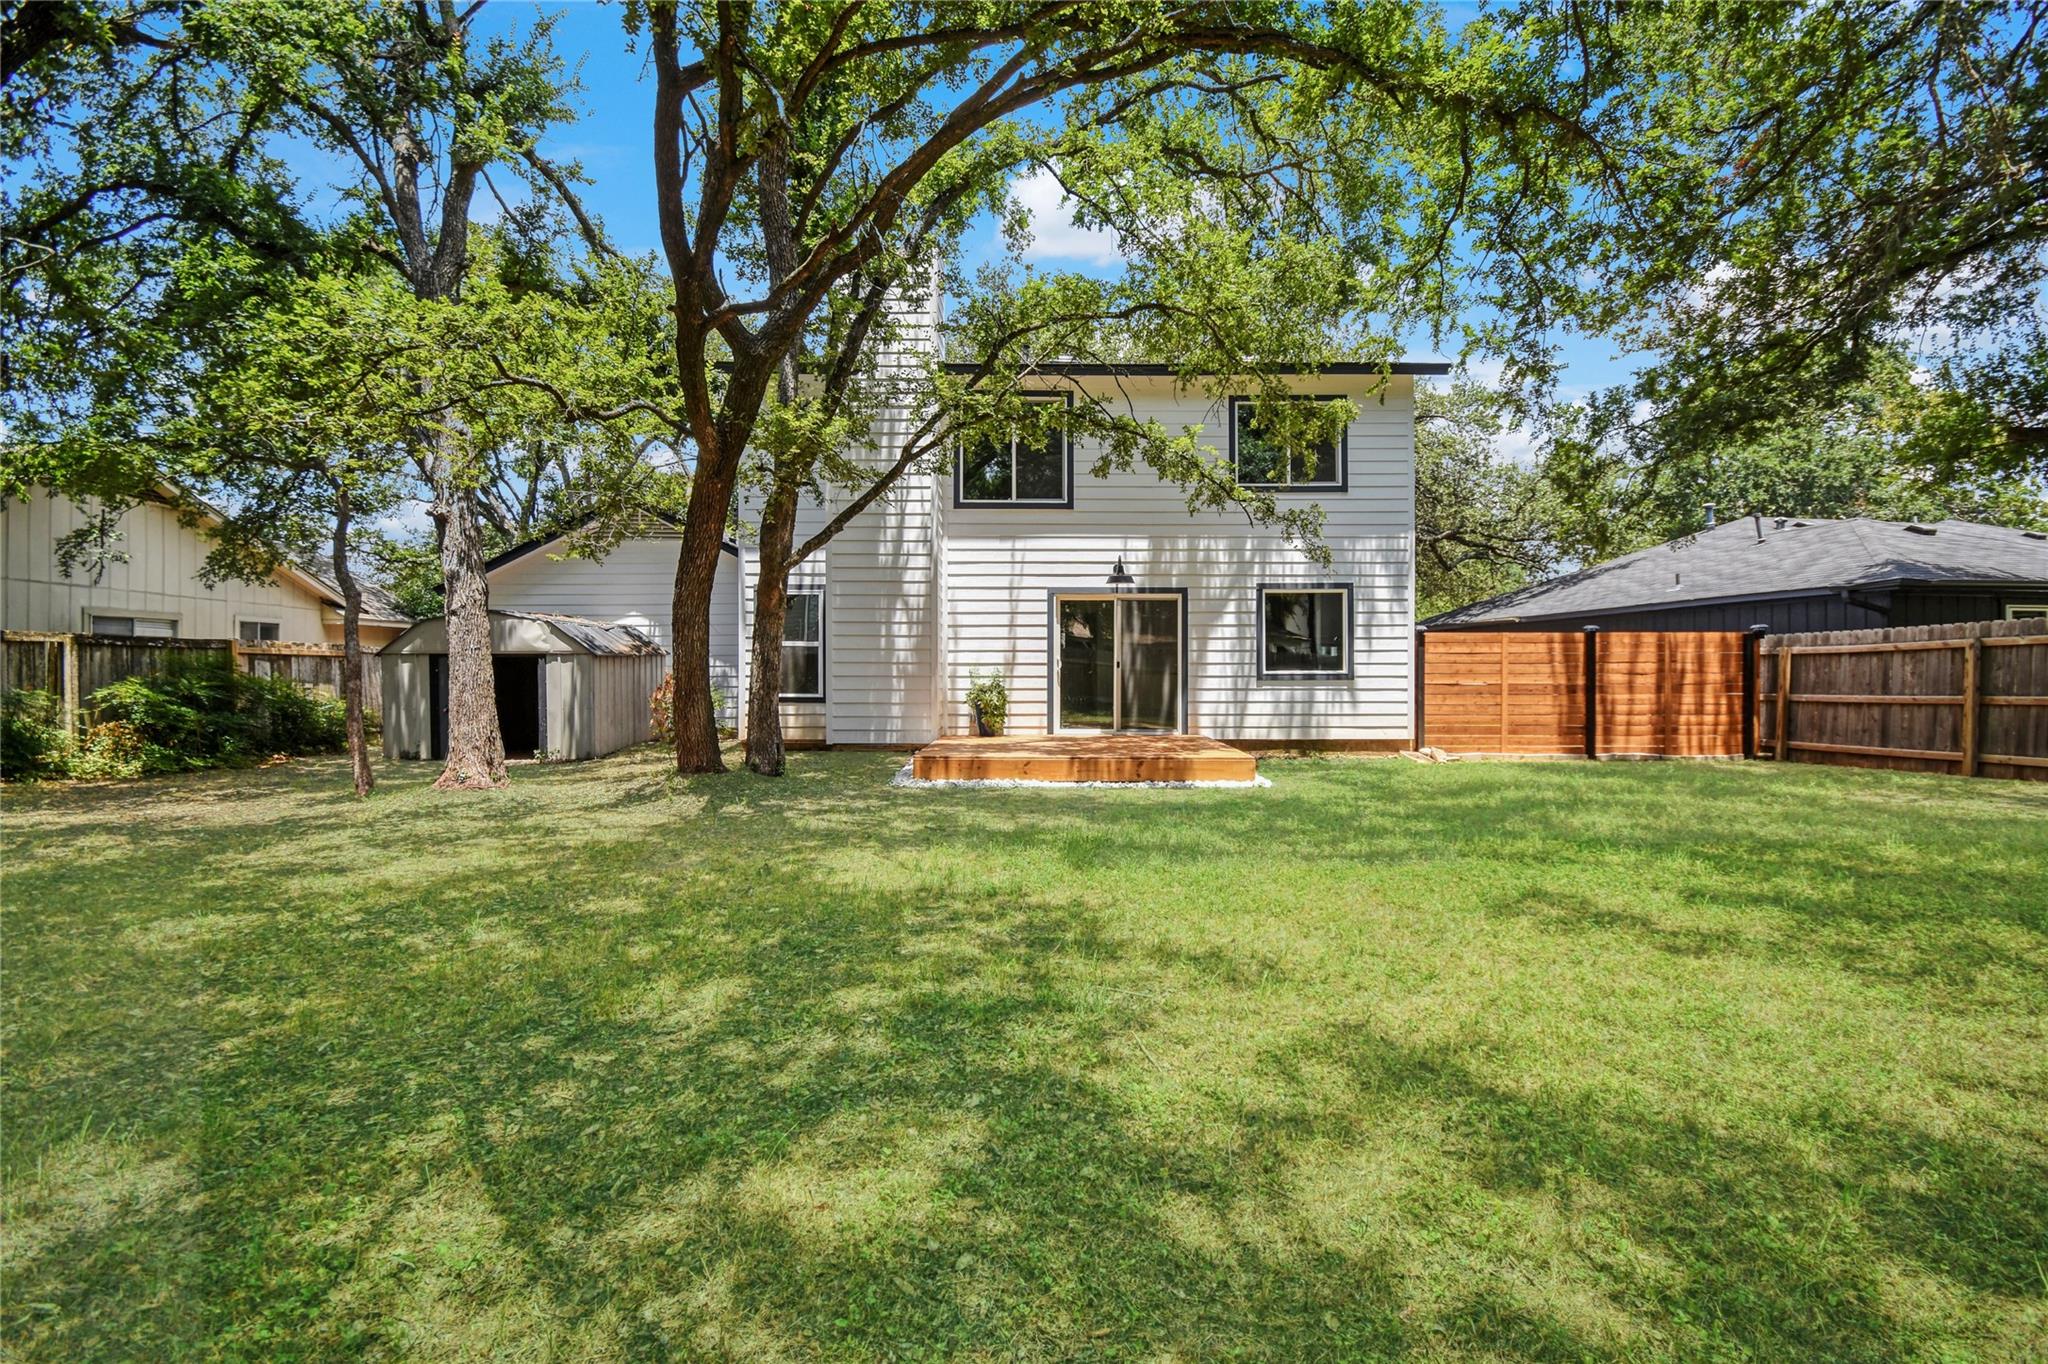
1768,207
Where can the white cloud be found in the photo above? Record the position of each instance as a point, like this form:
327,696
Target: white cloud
1486,371
1516,446
1054,234
408,521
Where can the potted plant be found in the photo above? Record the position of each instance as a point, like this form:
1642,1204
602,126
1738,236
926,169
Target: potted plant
990,698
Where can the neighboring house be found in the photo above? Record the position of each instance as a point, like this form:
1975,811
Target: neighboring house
154,590
1790,575
634,584
1103,602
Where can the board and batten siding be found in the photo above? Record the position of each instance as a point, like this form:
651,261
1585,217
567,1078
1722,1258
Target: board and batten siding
634,584
1001,565
159,579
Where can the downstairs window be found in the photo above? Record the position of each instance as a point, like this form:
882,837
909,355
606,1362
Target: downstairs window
1305,632
803,647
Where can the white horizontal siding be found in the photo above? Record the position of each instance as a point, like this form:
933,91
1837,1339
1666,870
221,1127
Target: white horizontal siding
883,629
159,578
1000,566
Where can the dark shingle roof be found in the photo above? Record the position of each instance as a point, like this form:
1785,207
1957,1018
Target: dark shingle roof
378,604
1791,556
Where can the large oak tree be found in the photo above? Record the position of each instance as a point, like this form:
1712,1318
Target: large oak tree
1294,180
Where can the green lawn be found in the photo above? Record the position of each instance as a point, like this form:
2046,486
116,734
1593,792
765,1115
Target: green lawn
1504,1062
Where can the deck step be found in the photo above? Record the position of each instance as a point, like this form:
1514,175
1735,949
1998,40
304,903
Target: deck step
1084,757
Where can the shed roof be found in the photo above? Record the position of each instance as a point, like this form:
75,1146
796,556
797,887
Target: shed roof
1776,556
594,636
530,632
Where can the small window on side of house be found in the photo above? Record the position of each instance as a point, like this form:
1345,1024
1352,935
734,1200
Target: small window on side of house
138,627
2027,611
803,646
259,631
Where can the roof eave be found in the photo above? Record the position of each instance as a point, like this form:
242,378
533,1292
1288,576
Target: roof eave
1150,369
1638,608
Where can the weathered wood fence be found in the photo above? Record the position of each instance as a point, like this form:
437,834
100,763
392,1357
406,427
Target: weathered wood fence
1968,699
73,667
1586,693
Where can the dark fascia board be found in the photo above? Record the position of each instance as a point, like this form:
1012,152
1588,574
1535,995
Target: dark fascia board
1795,594
1147,369
520,551
1954,584
1438,622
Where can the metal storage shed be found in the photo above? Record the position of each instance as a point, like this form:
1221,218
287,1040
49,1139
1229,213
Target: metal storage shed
568,688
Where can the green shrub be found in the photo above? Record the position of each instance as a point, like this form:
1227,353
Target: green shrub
295,720
191,710
990,698
204,713
661,706
33,740
115,751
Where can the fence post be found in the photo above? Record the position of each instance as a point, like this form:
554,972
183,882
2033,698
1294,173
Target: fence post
1750,643
1784,700
1592,635
67,659
1973,688
1421,687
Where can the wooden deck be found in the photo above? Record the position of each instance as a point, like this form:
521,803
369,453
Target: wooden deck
1084,757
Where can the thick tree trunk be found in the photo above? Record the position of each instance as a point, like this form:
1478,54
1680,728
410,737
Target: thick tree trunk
695,722
351,651
771,610
476,746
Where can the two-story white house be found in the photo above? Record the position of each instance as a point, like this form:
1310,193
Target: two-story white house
1104,604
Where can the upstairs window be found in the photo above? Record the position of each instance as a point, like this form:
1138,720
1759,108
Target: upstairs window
1264,462
1030,467
1305,632
803,647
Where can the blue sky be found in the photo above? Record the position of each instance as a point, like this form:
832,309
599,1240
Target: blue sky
613,139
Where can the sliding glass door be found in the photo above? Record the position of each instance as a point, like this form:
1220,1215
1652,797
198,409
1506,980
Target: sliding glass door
1119,663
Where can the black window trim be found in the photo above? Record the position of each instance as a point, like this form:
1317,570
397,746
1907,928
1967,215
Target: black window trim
807,590
1342,483
961,502
1350,669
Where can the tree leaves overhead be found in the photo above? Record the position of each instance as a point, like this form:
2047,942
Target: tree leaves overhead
1840,180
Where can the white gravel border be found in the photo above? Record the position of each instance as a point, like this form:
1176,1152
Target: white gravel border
904,777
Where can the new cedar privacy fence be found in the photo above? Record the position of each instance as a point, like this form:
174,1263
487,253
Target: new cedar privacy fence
1586,693
73,667
1968,699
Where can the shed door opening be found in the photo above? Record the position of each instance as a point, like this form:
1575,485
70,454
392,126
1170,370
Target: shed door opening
516,678
437,707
